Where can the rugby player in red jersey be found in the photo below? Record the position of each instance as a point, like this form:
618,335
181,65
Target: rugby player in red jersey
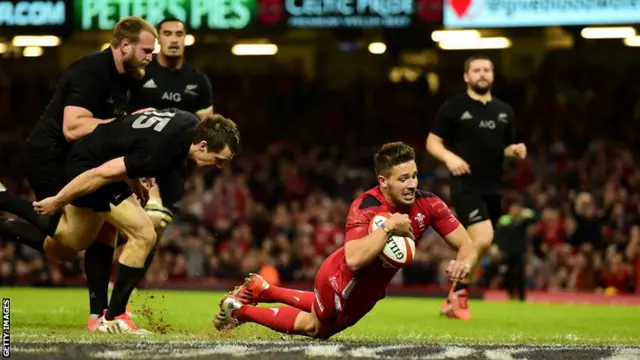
353,279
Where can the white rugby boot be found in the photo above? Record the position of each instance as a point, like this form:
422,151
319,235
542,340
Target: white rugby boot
121,324
224,319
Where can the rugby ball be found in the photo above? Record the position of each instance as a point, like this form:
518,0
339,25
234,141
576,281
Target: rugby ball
399,250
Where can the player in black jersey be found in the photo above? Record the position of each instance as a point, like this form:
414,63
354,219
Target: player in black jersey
169,81
479,130
92,91
97,167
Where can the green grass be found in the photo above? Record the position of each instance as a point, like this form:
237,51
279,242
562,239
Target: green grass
60,315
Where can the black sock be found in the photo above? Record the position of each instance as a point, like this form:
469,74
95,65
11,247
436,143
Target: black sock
97,266
460,286
23,233
24,209
149,261
127,279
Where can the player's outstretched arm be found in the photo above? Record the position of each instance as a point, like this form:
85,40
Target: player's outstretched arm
83,184
361,251
468,253
447,226
78,122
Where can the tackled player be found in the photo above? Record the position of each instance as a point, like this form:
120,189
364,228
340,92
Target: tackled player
98,165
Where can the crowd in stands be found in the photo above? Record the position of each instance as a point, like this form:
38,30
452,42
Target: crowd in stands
281,207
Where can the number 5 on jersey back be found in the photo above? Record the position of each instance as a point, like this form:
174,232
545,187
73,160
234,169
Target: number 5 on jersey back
158,121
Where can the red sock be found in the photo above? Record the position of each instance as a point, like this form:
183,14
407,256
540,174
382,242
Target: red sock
302,300
281,319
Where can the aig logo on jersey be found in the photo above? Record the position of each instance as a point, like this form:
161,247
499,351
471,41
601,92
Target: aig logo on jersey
171,96
487,124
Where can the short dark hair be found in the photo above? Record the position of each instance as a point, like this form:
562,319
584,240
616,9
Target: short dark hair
467,63
130,28
170,19
392,154
218,132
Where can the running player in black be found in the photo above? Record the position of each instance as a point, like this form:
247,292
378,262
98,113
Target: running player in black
98,166
479,131
169,81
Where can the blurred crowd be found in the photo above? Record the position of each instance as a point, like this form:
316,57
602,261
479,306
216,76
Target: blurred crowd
280,209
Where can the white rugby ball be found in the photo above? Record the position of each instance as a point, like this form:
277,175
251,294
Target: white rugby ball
399,250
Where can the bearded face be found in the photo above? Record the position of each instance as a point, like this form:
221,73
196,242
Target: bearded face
479,77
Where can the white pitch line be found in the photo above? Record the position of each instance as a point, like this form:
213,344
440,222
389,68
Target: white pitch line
372,352
501,354
625,354
452,352
324,350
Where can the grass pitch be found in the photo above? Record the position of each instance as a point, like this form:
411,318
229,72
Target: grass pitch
59,316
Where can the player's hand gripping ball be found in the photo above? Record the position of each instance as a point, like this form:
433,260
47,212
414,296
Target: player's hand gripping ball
399,251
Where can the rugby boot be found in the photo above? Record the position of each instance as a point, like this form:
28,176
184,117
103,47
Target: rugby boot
122,324
250,292
94,323
224,319
456,306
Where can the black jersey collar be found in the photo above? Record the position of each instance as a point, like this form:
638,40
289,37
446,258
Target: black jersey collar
469,98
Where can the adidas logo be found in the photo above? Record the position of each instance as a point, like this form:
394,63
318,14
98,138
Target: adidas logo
150,84
466,116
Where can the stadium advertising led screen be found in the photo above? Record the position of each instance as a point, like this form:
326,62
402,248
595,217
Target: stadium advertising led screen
242,14
197,14
529,13
34,16
359,13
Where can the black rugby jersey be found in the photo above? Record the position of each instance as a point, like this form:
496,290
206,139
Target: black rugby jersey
185,88
478,133
93,83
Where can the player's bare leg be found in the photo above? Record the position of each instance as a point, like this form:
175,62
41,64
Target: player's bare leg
286,319
255,290
59,237
130,218
456,305
76,230
32,229
106,250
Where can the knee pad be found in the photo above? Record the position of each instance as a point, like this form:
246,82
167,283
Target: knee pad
155,210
